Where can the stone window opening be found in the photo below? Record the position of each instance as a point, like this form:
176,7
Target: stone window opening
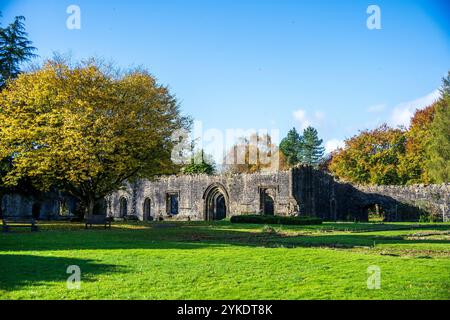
172,203
267,203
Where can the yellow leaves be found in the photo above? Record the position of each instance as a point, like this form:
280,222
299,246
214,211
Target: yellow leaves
80,125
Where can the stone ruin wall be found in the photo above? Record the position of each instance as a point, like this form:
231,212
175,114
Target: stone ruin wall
243,193
302,190
411,200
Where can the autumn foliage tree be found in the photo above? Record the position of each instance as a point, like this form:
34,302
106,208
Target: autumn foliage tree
86,129
418,138
420,154
256,153
372,157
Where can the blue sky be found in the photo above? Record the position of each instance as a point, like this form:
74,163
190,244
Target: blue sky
271,64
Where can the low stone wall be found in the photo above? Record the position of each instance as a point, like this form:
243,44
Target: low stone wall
429,199
17,205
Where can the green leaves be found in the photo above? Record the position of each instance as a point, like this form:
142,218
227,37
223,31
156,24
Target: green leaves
306,149
312,150
439,146
15,48
291,147
200,164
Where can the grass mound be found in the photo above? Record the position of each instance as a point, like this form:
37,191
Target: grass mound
258,219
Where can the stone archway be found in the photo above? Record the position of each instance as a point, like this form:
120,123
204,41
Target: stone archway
216,202
147,210
123,207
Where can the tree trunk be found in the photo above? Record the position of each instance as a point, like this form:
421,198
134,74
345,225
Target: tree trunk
90,204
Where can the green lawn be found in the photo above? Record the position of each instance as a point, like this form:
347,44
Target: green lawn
226,261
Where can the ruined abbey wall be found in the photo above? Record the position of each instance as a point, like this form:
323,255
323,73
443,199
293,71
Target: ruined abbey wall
410,201
299,191
242,194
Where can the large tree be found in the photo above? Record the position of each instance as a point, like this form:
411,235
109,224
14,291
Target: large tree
291,147
312,151
15,49
372,157
439,146
87,130
418,137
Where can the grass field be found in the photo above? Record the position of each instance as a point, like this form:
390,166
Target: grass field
226,261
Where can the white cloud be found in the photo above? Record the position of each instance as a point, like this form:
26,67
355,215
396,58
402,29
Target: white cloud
403,112
319,115
376,108
304,120
333,145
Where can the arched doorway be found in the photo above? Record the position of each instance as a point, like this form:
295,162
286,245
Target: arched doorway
267,203
374,212
123,208
147,210
216,203
36,211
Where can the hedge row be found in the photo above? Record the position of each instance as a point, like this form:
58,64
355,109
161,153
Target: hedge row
258,219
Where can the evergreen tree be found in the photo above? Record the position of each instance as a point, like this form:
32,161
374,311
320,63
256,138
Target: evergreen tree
445,90
439,146
291,147
312,150
15,49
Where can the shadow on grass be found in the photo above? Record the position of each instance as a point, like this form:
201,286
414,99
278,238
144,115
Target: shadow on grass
22,270
196,236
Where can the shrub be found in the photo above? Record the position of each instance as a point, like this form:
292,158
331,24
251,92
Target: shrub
259,219
131,218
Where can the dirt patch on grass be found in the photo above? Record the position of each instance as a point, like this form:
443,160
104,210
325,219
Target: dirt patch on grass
429,235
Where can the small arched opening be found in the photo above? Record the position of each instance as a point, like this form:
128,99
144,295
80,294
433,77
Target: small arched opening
147,210
375,212
123,207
